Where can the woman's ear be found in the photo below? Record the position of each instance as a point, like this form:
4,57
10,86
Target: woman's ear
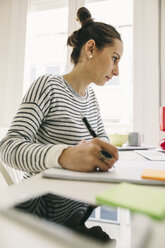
89,48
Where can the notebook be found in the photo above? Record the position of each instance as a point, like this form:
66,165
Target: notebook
152,155
154,174
124,171
136,198
132,148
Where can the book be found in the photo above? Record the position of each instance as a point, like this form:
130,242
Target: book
136,198
154,174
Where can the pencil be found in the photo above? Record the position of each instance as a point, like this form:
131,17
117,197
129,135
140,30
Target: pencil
94,135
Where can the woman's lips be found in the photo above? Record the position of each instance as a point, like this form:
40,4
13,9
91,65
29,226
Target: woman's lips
108,78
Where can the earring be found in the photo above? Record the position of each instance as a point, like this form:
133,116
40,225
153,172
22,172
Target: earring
90,56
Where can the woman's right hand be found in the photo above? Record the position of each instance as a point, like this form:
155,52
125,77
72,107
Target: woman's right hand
86,156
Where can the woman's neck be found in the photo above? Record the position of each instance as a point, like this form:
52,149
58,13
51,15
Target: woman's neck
78,79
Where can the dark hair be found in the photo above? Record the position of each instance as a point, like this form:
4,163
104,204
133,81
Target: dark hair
103,34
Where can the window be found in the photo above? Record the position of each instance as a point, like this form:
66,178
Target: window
105,214
115,98
47,53
46,42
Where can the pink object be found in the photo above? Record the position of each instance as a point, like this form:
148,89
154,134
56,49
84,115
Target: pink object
162,118
162,144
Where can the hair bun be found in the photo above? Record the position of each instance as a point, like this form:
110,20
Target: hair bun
84,16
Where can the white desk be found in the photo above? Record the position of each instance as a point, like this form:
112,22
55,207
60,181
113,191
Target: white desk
84,191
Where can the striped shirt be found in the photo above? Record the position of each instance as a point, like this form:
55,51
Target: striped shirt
49,120
67,212
48,206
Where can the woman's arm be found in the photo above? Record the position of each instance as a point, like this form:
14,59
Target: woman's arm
18,148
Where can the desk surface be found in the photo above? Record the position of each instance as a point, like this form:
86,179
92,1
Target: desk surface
84,191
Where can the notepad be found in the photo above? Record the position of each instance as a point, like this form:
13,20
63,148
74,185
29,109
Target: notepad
136,198
152,155
154,174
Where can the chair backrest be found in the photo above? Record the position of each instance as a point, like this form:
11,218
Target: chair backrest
9,174
5,174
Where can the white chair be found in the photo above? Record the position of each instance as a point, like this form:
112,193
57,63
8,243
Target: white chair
9,174
5,175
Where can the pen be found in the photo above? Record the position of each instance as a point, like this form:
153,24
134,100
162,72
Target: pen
94,135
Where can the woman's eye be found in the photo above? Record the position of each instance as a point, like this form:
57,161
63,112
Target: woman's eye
114,59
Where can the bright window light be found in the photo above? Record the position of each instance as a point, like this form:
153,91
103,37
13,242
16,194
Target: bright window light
115,98
47,53
46,43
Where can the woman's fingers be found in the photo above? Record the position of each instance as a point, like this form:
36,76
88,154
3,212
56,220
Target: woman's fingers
110,162
105,164
81,142
86,156
107,147
100,165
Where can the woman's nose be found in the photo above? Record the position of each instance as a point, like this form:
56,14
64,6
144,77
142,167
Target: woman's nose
116,71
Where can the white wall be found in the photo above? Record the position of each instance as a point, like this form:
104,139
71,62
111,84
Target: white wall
146,70
13,15
73,25
163,53
162,59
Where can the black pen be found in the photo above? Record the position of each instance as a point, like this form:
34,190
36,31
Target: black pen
94,135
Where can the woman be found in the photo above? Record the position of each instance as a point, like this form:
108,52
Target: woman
47,130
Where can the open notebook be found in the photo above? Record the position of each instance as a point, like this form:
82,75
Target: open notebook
124,171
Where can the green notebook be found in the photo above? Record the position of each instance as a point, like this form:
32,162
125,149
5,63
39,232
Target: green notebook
136,198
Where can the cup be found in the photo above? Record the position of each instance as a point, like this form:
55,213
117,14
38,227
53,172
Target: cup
135,139
118,139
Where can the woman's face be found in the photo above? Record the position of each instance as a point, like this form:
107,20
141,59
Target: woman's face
104,63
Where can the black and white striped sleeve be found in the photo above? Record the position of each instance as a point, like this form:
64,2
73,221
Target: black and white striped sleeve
18,148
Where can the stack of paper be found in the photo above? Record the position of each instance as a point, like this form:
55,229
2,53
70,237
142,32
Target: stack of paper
154,174
137,198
